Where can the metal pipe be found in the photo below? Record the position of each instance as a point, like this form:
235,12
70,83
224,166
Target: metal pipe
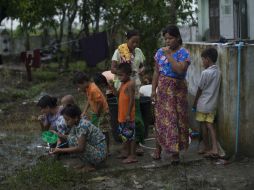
239,47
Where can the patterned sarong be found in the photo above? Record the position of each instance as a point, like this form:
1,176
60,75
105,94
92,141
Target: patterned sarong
171,119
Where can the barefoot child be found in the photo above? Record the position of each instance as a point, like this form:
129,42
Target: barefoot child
206,99
126,113
96,101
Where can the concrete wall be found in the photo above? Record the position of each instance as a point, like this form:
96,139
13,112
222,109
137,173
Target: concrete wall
226,121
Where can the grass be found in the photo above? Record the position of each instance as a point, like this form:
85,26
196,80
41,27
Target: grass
44,76
47,174
17,126
26,92
77,66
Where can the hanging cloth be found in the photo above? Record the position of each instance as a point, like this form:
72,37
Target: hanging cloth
94,49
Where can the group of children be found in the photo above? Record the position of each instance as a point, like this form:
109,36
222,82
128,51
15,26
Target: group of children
96,111
90,128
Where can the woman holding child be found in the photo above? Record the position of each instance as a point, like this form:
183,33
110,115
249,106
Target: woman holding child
171,63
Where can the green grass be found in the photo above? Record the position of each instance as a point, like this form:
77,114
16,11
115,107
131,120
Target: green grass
47,174
43,75
24,93
77,66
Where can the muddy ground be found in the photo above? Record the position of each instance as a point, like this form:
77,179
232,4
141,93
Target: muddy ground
25,163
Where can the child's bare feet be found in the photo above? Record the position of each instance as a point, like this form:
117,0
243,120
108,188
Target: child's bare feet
130,160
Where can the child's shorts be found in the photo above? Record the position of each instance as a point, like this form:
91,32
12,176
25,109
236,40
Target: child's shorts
126,131
205,117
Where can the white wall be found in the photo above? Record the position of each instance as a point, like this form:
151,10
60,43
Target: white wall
226,19
250,9
188,33
203,17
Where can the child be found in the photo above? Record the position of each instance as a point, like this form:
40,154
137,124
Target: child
67,99
50,113
206,99
126,113
100,116
51,118
104,85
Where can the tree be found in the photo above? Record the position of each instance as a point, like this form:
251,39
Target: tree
149,17
114,16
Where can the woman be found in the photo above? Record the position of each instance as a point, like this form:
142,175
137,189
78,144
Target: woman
171,63
130,53
84,138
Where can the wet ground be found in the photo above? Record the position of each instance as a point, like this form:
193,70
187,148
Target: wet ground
21,148
23,151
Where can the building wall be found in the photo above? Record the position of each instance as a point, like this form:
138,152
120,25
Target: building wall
250,9
226,114
226,19
203,19
226,22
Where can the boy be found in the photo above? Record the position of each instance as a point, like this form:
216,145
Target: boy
99,115
206,99
126,113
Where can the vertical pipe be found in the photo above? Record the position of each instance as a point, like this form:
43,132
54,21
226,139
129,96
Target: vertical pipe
239,46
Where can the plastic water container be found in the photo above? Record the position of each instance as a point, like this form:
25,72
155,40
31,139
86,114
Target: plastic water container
146,111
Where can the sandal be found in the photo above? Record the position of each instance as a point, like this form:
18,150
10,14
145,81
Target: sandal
121,156
87,169
139,151
175,159
202,152
212,155
129,161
